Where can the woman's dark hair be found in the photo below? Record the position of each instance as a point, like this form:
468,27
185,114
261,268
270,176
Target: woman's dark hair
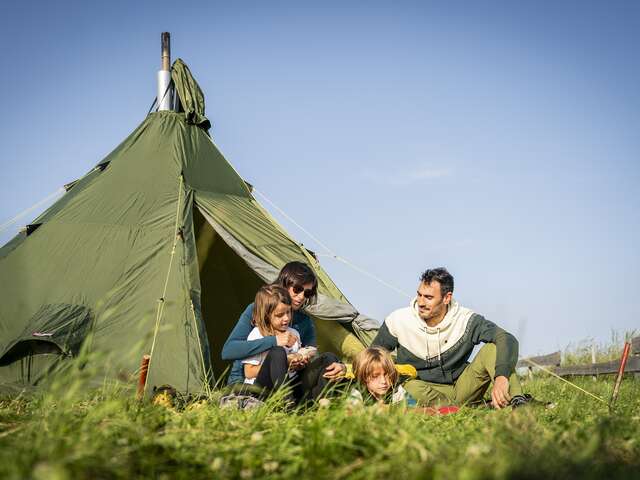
297,274
440,275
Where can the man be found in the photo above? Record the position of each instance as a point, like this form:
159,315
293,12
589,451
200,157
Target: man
436,335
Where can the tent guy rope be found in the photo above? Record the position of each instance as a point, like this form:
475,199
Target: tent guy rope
565,380
330,252
33,207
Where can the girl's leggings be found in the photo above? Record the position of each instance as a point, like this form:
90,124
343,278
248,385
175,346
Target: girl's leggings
308,384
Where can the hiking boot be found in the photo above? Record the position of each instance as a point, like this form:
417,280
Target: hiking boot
526,399
518,401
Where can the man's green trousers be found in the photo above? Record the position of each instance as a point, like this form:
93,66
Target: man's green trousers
470,386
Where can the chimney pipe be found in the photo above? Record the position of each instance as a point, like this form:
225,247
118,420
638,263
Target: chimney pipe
165,93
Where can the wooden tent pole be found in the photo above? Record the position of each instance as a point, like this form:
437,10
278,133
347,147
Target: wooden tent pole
142,378
623,363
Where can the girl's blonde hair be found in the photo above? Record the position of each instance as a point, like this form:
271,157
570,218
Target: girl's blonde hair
267,300
370,358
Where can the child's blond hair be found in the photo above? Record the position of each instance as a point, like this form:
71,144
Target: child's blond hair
370,358
267,300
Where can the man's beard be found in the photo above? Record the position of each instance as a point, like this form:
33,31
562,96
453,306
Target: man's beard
433,314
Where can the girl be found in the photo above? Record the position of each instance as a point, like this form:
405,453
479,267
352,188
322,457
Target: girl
271,316
376,378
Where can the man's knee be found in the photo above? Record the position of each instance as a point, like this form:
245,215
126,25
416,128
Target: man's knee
414,387
425,394
486,357
483,365
488,350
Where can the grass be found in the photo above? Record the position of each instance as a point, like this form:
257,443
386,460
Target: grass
68,433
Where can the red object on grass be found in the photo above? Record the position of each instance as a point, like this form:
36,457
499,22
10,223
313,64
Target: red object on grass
447,410
437,410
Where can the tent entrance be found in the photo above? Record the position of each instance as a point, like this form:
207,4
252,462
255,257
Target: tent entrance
227,285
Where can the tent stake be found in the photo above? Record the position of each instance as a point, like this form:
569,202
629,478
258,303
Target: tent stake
623,364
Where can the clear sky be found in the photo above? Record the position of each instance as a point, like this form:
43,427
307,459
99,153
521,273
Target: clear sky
500,141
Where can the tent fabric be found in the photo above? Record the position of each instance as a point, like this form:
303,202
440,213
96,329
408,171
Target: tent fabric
162,244
78,186
190,94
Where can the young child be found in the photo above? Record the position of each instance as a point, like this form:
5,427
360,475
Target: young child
272,316
376,378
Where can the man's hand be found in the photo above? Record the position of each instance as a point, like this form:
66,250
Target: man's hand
285,339
500,393
335,371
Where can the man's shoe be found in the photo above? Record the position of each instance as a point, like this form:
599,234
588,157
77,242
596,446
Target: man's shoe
518,401
526,399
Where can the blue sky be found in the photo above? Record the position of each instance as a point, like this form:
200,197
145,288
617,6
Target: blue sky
498,140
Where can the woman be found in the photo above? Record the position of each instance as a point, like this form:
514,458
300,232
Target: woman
302,285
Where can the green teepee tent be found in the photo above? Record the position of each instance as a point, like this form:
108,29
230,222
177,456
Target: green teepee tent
157,249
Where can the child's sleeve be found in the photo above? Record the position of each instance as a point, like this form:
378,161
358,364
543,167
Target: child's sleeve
254,359
355,397
297,335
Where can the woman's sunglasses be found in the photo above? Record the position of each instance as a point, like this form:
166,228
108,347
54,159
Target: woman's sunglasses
308,293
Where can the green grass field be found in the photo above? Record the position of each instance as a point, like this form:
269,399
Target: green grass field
69,433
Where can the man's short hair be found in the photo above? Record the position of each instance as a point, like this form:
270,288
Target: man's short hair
440,275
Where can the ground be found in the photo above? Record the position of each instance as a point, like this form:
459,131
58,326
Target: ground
68,433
